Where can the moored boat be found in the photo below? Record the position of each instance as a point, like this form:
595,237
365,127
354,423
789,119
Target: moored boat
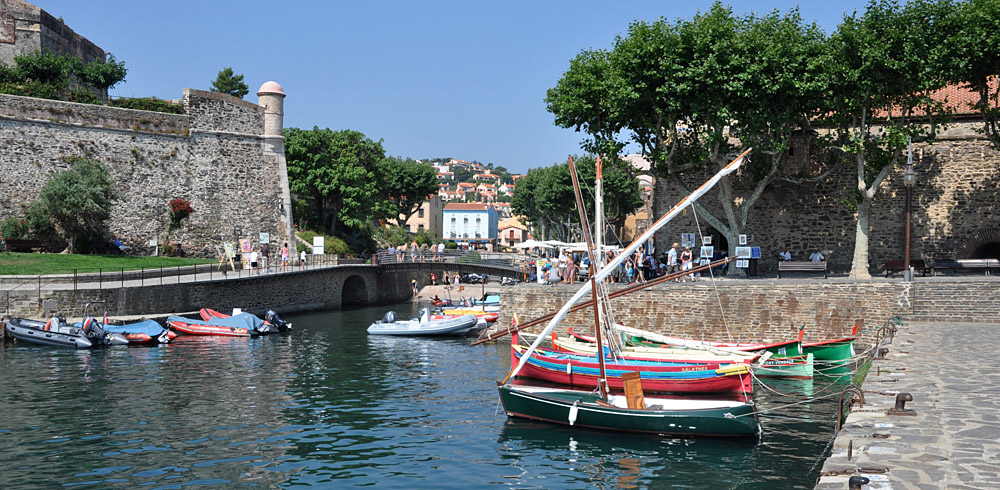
241,325
271,323
661,416
144,332
578,371
424,325
58,333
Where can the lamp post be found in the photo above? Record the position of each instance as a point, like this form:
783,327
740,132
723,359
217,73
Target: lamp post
909,179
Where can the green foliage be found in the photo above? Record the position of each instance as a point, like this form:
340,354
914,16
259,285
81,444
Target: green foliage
103,76
546,197
78,199
338,172
450,245
15,227
408,184
972,33
228,83
148,104
48,75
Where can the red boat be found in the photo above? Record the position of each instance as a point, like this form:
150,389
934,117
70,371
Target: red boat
582,371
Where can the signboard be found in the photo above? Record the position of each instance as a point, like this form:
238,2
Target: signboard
265,238
707,240
687,239
743,239
318,247
742,263
754,252
743,253
707,252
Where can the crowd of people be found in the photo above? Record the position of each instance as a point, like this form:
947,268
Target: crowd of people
639,267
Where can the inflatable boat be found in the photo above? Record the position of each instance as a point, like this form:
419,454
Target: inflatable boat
58,333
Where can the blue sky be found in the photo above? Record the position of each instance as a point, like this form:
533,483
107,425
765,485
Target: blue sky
463,79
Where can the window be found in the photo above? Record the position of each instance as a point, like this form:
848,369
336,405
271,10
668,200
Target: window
511,234
420,227
420,214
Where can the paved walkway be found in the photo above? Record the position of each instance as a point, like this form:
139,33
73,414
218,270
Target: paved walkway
952,438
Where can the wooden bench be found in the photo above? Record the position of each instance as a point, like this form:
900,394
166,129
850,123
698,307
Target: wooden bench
103,248
967,264
29,245
897,266
801,266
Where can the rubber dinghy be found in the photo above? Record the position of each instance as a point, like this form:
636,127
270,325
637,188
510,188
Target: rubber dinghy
388,325
272,323
144,332
242,325
58,333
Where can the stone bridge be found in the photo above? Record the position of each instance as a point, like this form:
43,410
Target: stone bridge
189,289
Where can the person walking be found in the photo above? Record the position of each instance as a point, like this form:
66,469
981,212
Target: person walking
447,279
302,261
673,259
253,260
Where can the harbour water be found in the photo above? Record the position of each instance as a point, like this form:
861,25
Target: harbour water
328,406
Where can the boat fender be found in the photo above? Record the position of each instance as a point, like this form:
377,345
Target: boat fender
573,411
569,368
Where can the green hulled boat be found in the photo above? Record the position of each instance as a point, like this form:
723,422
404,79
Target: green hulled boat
663,416
786,367
839,351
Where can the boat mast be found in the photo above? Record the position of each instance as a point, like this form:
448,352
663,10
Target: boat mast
602,382
620,258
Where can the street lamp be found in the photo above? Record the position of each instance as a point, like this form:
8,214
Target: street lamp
909,179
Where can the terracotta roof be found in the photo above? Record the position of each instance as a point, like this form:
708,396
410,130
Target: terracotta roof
959,99
466,206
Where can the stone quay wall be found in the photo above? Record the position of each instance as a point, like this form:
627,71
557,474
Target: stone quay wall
327,288
212,155
769,309
955,207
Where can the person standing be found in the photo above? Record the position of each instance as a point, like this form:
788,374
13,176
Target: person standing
441,251
570,276
265,253
687,261
284,257
414,251
413,282
253,260
302,261
447,279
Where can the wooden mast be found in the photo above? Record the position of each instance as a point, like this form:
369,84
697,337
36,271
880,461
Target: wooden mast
602,382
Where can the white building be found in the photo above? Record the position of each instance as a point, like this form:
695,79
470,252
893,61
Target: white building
472,223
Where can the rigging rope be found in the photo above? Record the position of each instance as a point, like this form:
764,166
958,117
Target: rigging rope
715,287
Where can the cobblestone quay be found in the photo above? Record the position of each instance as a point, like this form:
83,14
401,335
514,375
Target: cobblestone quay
950,438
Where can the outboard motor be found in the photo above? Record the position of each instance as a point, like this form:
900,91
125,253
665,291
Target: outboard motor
276,321
390,317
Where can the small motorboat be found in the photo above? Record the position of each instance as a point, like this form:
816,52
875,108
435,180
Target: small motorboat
57,332
144,332
240,325
272,322
425,325
489,316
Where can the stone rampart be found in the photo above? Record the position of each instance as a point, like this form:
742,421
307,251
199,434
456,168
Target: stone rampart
770,309
954,199
212,155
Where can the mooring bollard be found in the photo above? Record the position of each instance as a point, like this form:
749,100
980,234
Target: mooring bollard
856,482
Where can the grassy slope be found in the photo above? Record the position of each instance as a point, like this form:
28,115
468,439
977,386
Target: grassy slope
36,263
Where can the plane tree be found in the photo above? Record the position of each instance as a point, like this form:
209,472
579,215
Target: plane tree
407,184
682,90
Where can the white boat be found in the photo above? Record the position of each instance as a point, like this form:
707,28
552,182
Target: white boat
389,325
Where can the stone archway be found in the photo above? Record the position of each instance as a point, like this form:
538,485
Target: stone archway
354,292
983,244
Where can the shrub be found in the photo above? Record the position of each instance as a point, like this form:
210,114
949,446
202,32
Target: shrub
78,199
148,104
178,209
450,245
14,227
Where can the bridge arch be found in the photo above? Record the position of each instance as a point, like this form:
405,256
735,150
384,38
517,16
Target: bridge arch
355,291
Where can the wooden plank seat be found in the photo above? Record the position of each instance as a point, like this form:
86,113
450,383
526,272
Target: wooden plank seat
21,245
897,266
984,265
801,266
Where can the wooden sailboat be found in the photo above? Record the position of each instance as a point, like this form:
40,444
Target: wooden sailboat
632,412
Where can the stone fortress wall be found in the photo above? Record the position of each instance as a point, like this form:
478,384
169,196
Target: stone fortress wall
224,154
955,209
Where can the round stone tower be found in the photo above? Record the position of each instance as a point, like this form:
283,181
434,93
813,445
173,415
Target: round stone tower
272,98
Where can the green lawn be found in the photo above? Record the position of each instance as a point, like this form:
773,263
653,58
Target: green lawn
36,263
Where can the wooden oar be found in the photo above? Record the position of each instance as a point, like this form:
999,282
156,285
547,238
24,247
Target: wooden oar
615,294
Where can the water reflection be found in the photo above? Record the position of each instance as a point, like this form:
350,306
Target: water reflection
330,406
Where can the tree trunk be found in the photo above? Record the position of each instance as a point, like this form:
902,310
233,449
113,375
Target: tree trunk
859,265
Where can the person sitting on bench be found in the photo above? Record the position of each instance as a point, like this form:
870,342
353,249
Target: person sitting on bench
816,256
120,246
